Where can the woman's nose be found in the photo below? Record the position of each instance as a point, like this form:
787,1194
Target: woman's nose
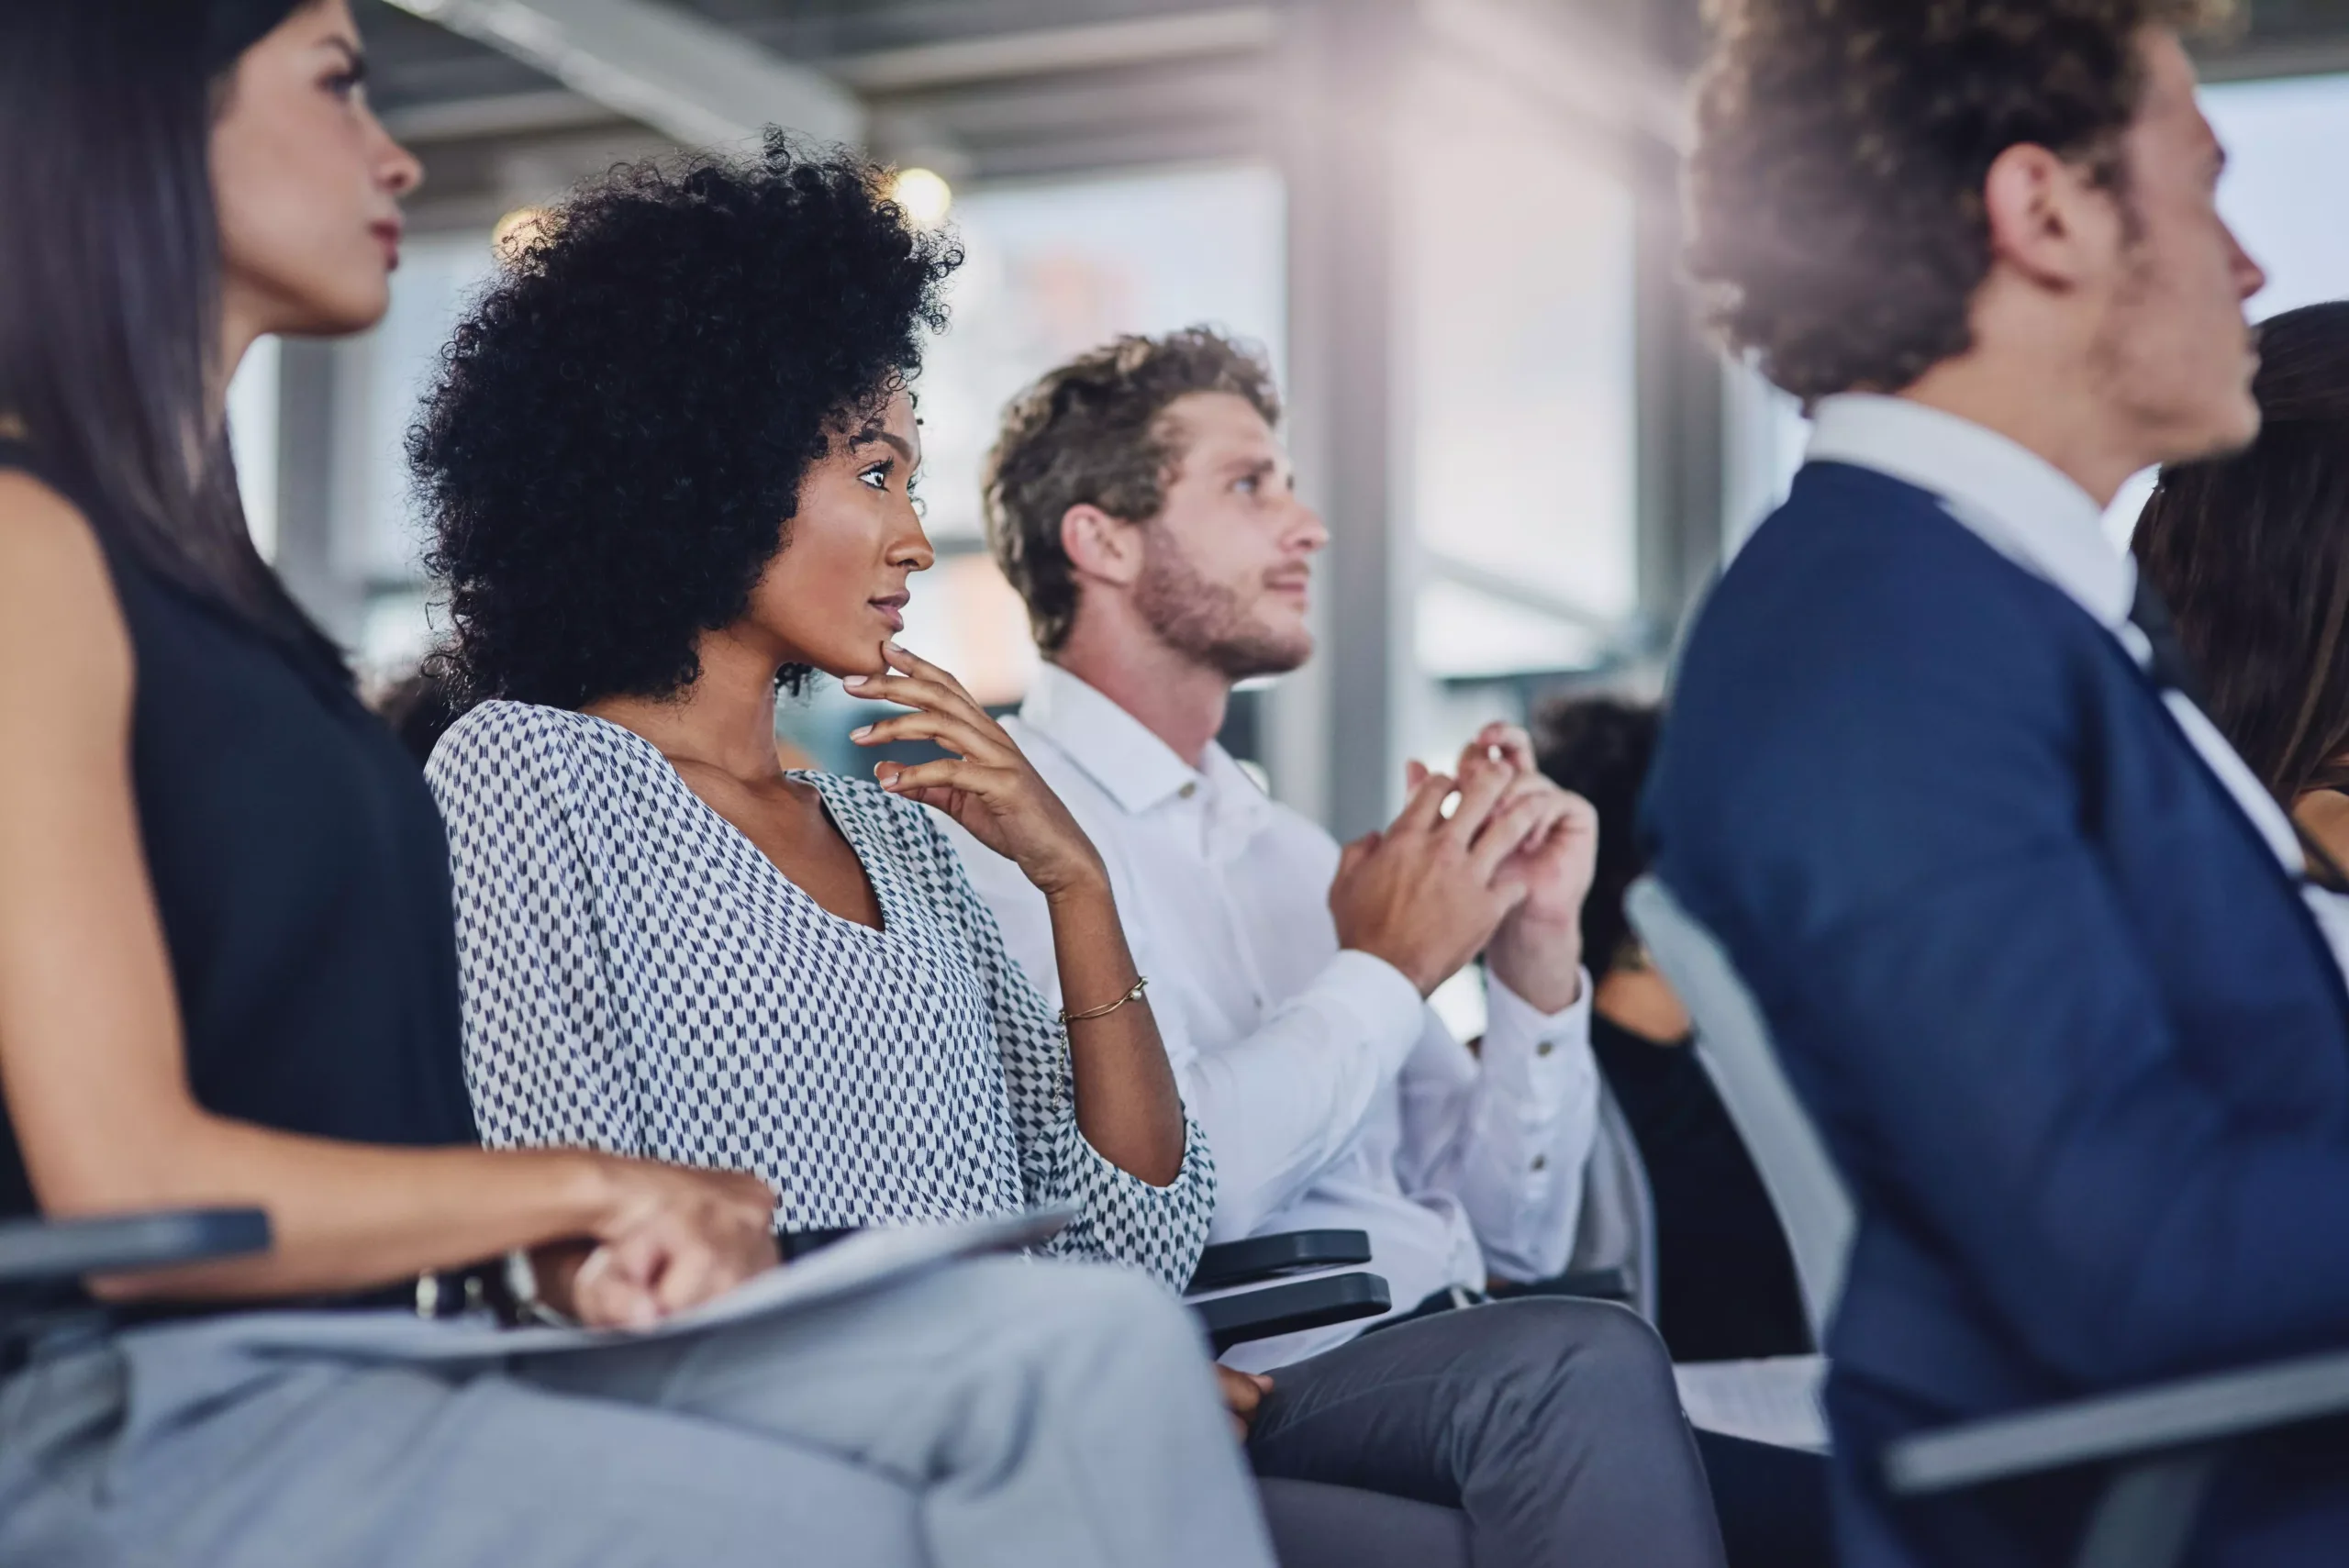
913,549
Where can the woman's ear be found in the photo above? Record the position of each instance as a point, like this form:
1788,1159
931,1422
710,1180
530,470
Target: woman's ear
1099,546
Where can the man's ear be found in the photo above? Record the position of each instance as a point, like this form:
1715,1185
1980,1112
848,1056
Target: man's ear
1099,546
2049,217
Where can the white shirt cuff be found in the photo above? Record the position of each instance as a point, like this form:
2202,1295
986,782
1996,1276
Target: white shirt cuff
1534,1057
1387,1009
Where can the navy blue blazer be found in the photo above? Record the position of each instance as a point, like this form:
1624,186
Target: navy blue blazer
2067,1028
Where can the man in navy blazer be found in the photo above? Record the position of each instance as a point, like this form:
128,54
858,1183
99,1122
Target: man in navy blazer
2040,953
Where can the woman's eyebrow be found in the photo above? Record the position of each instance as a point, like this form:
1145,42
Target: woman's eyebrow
902,447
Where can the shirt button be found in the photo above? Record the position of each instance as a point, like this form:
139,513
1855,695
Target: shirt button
1545,1048
1540,1162
1189,789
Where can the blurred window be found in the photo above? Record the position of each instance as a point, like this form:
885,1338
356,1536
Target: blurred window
379,534
1518,248
2287,197
2285,190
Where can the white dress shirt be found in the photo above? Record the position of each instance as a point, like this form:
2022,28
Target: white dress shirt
2029,511
1331,1096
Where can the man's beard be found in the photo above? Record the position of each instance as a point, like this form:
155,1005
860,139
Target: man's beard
1209,623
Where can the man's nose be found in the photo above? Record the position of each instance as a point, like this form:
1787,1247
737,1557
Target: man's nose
1310,534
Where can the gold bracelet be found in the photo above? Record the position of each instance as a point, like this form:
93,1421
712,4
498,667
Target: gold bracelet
1140,986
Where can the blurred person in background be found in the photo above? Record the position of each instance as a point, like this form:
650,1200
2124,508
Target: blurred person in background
227,976
1726,1289
2252,553
2037,949
1141,500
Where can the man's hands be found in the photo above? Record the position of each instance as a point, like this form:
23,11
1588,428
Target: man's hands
1509,869
988,787
1537,951
668,1239
1243,1393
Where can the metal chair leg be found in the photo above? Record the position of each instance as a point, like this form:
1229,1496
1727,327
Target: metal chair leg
2147,1517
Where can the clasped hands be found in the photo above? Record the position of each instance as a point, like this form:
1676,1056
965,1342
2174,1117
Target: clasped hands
1504,874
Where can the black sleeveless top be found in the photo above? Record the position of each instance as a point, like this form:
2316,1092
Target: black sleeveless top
301,874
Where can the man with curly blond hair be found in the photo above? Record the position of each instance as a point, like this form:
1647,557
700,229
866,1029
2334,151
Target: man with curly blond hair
2039,952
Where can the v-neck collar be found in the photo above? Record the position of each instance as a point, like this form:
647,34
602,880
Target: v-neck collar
838,809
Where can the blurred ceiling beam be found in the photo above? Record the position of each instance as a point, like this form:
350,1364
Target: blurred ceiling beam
2258,59
674,71
1568,62
1143,41
535,113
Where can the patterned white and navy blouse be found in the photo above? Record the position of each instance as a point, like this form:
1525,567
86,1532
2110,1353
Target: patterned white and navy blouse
639,978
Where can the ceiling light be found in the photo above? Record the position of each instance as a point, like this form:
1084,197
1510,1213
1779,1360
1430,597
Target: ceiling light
924,195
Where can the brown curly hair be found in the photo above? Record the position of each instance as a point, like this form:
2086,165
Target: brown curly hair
1836,192
1091,432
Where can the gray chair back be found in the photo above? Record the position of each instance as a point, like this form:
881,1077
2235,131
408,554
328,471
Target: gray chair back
1814,1208
1616,1229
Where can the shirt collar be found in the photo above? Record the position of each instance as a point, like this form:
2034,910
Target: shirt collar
1117,749
2017,502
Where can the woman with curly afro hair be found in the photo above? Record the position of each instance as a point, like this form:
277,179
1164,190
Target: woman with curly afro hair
671,457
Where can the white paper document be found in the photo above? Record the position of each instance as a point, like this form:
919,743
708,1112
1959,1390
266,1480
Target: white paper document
862,1263
1774,1401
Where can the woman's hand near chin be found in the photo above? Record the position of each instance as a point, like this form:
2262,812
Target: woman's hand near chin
1127,1105
989,785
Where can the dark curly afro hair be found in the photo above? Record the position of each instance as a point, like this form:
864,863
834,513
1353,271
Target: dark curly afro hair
620,428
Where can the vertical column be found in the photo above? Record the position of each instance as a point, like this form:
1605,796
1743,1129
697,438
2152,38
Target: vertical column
1680,411
1336,728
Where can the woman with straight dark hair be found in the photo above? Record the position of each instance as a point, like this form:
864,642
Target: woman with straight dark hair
2252,553
228,976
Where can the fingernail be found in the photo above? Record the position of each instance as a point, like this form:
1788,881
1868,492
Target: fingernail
853,681
860,732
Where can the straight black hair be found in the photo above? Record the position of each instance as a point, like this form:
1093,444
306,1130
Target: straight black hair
2253,553
110,249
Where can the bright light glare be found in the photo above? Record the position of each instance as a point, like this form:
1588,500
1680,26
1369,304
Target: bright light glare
925,196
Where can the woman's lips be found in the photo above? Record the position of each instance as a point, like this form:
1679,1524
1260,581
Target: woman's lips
892,611
387,235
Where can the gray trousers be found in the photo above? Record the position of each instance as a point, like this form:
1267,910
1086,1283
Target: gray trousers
995,1414
1554,1424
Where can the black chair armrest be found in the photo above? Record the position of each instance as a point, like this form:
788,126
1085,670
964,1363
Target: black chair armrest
1269,1257
2185,1414
44,1251
1291,1308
